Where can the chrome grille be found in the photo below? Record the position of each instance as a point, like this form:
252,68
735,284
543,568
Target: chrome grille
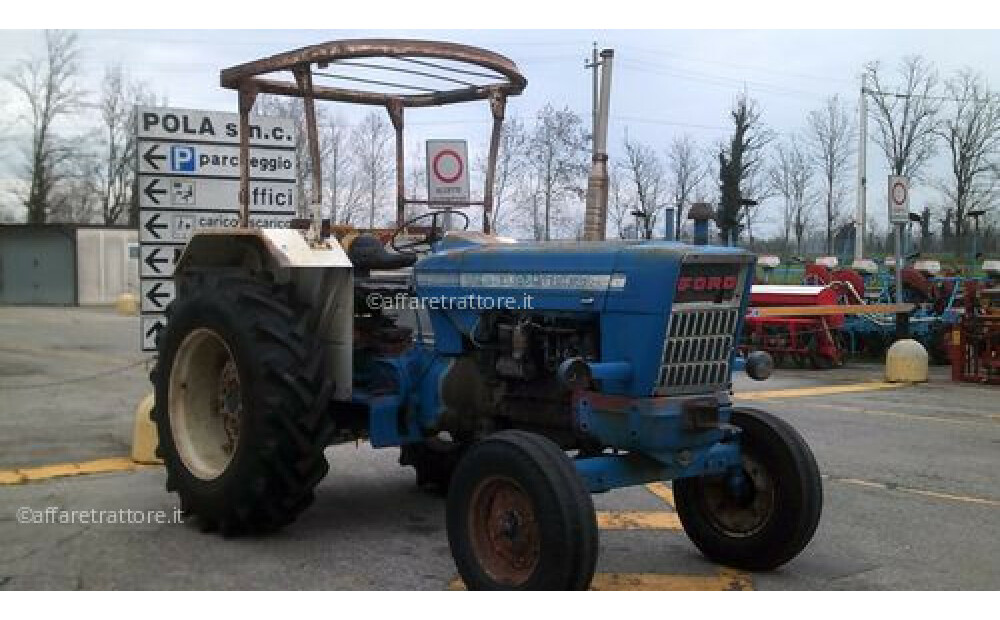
696,350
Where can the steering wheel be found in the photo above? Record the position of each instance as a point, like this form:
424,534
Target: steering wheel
430,238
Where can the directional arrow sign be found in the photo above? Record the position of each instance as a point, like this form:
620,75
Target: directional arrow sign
154,190
156,295
153,227
174,192
178,226
158,261
151,326
152,157
216,160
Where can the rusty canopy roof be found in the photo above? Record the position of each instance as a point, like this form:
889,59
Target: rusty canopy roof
506,79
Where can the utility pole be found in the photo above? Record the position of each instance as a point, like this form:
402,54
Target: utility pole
593,65
859,241
596,215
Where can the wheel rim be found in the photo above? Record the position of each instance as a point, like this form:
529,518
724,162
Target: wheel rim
205,403
504,531
745,511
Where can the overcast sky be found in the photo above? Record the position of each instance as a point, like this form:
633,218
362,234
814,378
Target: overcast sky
665,82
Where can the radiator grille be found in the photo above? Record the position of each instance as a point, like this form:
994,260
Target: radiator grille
696,351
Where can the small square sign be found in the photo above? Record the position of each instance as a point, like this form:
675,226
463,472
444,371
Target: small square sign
899,199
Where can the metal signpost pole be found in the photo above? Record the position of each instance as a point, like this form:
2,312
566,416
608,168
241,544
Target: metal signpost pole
899,216
859,230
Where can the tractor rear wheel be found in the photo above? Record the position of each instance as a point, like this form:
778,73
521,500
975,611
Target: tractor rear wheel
519,516
241,403
771,515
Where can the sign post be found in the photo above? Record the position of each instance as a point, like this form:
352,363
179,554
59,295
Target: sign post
189,173
899,215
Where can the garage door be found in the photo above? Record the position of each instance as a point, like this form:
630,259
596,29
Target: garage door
36,267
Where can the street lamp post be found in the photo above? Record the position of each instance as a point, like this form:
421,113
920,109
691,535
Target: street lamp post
746,203
640,216
976,214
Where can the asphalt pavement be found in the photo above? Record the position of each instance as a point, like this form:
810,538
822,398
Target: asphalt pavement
911,493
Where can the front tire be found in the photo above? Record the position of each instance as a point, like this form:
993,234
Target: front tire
519,516
772,516
240,405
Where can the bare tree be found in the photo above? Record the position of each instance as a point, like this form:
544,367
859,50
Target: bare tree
646,178
905,115
738,160
340,170
511,167
371,143
830,135
118,98
558,162
78,196
48,84
686,172
789,175
619,207
972,133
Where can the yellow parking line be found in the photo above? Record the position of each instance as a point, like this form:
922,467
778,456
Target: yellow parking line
45,472
896,414
662,491
637,520
821,390
725,579
924,492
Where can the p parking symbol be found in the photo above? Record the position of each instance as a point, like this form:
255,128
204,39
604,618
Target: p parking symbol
183,159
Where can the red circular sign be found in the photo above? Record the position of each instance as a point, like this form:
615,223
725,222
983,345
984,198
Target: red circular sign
447,178
899,193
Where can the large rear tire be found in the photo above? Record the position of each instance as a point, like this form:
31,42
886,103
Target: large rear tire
772,516
241,403
519,516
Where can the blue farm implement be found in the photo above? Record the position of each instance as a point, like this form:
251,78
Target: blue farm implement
519,377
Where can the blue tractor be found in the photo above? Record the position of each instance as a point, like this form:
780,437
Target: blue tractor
520,378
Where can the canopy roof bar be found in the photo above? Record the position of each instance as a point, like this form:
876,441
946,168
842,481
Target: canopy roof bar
258,76
375,82
366,65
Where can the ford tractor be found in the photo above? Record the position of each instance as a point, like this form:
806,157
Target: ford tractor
519,377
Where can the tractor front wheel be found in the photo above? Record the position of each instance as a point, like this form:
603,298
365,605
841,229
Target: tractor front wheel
519,516
766,516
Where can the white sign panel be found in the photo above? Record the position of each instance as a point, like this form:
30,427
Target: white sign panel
156,294
189,170
166,192
150,327
447,171
178,226
175,124
899,199
214,160
158,261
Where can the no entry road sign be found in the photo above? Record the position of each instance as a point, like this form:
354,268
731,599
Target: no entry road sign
899,199
447,171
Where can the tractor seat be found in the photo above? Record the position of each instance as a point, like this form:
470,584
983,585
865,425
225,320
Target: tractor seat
367,253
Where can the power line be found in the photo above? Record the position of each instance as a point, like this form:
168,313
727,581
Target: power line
882,93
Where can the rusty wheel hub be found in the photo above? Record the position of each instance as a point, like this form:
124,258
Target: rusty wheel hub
745,511
504,531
